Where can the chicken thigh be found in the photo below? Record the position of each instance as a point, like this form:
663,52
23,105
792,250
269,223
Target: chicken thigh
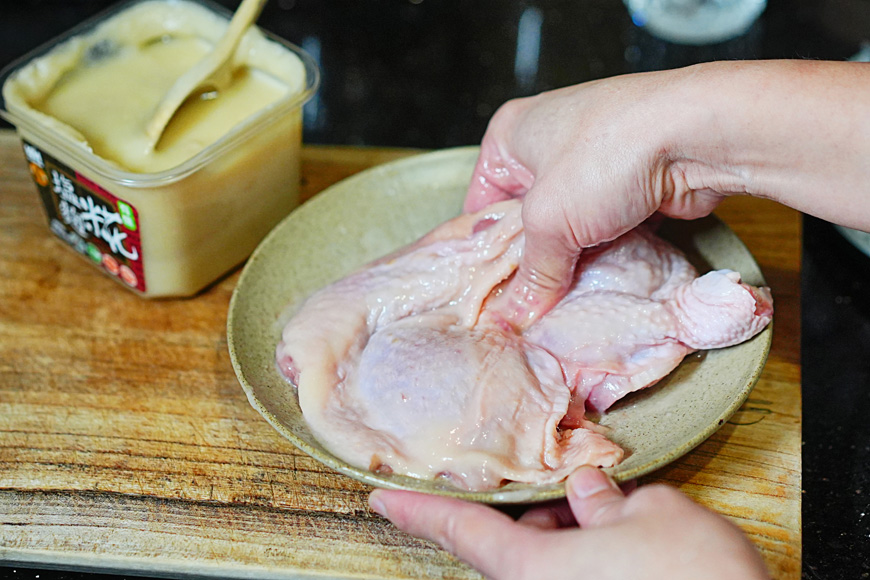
408,365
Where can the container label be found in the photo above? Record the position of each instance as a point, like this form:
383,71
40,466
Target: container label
88,218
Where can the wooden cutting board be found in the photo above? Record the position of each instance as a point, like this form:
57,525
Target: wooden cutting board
127,445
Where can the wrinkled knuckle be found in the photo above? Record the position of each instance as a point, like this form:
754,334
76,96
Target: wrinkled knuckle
539,279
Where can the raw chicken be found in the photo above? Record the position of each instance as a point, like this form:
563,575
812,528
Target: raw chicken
636,309
408,365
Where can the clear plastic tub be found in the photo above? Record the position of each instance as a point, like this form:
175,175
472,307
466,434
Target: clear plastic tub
175,220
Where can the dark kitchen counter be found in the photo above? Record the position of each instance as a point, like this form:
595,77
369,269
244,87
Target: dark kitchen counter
835,306
430,73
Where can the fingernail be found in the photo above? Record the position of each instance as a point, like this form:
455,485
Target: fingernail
587,481
377,504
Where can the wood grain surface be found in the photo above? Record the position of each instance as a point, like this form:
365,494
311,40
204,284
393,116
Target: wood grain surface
126,443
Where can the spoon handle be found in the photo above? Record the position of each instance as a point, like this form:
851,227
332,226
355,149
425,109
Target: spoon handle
210,65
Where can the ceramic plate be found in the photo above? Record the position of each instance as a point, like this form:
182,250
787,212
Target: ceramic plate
383,208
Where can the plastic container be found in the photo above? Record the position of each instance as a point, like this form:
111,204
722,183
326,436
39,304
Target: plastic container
174,227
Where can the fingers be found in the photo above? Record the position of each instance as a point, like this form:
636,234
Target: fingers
481,191
628,487
551,251
498,174
594,498
496,177
546,270
481,536
549,516
558,514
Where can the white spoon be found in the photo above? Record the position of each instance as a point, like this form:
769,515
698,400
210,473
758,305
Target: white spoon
214,70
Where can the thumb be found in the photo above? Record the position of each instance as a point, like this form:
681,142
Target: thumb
594,498
488,540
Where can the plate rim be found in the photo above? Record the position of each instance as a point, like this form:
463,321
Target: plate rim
505,495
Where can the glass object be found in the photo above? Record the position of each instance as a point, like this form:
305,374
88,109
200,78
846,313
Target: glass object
695,21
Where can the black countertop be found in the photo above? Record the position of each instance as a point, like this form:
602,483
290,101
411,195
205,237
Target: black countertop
430,73
835,368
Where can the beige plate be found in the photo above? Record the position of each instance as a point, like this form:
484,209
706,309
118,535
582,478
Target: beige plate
383,208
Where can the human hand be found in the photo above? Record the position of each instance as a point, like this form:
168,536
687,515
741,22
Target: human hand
592,161
653,533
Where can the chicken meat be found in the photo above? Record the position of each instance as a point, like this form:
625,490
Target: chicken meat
410,365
